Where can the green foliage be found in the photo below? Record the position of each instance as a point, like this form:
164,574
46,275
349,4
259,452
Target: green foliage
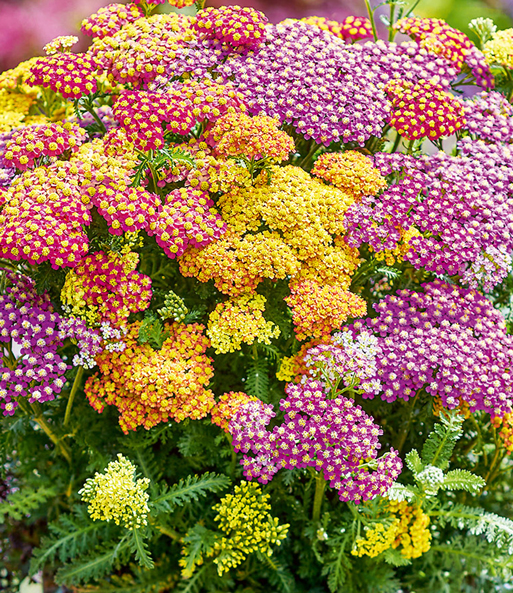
22,502
198,543
440,444
140,548
152,332
257,379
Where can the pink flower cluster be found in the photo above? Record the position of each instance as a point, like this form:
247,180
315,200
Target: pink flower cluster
32,332
333,436
187,218
29,144
109,19
72,75
489,116
447,340
142,114
239,27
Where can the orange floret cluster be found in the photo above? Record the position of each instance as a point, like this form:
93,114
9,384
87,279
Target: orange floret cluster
254,138
227,406
240,320
152,386
424,110
505,423
351,28
350,171
318,310
211,100
105,287
30,144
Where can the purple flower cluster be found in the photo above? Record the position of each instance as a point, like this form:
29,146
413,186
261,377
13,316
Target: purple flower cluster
449,341
489,116
333,436
461,205
346,360
309,78
31,333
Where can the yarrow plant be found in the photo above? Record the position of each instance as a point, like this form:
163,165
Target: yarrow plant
256,304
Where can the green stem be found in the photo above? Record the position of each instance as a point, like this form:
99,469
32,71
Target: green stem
413,7
200,4
371,18
397,141
320,486
165,530
97,119
404,433
391,30
74,389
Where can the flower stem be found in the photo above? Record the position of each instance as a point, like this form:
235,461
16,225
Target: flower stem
74,389
320,486
371,18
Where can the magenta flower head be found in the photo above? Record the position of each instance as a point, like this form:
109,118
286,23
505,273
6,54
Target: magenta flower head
333,436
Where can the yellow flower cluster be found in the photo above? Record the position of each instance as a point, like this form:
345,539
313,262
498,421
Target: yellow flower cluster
150,386
391,256
16,98
305,220
116,495
240,320
378,538
499,50
350,171
412,532
292,368
245,519
227,406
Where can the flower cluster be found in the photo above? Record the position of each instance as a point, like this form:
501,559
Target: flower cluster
174,308
489,116
438,340
32,332
254,138
105,287
378,538
351,28
239,27
499,49
152,386
460,207
60,44
345,360
71,75
333,436
29,145
188,218
117,495
317,310
424,110
412,532
227,406
306,77
505,424
240,320
245,519
211,100
110,19
437,37
142,114
350,171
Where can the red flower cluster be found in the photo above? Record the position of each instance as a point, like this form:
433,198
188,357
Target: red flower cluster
72,75
143,113
29,144
351,28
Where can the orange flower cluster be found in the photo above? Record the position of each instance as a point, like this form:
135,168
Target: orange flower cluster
151,386
318,310
254,138
350,171
506,430
227,406
424,110
105,287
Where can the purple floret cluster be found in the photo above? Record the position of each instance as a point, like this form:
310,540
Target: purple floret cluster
32,333
449,341
333,436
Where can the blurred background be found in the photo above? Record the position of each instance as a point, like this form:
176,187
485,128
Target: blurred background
26,25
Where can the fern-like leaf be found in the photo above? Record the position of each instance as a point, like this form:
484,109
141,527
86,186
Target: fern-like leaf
139,547
198,543
24,501
337,566
279,577
257,380
395,558
95,565
400,493
462,479
414,462
188,489
441,441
